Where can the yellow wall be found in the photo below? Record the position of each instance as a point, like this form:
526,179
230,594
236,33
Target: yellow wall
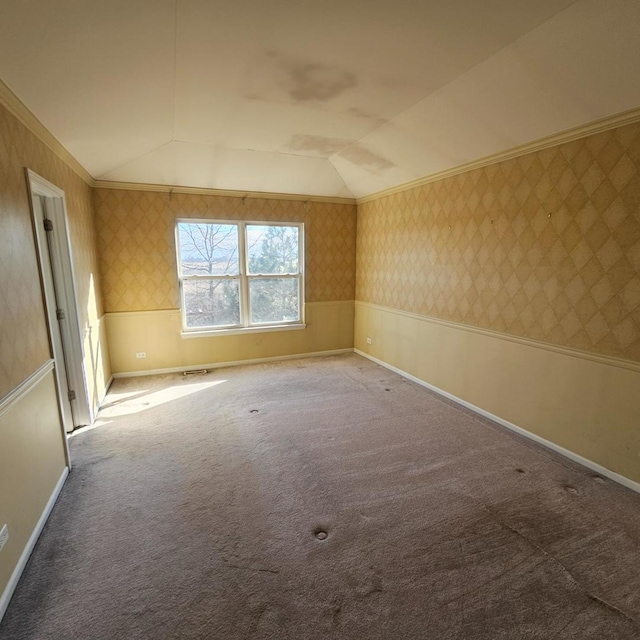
23,333
31,462
138,264
157,333
588,405
544,248
22,320
31,440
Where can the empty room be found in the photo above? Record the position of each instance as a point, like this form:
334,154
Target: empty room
320,320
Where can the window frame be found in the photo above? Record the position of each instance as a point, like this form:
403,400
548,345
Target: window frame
244,278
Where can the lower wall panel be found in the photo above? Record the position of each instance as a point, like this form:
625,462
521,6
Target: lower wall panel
590,406
32,459
157,333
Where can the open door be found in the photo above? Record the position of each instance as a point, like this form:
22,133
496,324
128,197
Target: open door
56,268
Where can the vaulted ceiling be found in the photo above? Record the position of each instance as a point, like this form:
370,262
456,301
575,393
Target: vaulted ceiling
332,98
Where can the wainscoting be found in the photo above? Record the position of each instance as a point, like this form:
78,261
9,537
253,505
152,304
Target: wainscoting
584,403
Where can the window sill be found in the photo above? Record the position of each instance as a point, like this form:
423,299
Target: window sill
208,333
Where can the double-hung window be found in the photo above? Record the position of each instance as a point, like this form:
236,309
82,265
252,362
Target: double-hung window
240,275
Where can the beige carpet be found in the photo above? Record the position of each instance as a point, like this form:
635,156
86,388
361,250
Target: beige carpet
323,498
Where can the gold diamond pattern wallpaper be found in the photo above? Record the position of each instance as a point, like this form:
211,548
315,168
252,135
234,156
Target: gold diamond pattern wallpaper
544,246
137,245
24,343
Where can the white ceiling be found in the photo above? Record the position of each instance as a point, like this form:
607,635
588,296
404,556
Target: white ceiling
331,98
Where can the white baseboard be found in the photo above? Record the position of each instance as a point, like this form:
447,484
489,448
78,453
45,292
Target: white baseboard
585,462
104,393
234,363
31,543
95,409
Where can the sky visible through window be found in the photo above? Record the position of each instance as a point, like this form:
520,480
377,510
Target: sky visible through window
271,285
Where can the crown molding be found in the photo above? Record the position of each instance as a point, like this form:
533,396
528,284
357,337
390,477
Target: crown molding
164,188
568,135
17,108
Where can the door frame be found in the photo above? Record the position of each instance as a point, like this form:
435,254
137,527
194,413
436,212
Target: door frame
61,260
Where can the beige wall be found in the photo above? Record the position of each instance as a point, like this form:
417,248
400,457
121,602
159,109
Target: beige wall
138,264
30,435
544,247
23,332
24,344
588,405
31,462
157,333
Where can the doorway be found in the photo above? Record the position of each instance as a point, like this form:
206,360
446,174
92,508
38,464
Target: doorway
56,268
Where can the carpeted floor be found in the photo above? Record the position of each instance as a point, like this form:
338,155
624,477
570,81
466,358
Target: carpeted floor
323,498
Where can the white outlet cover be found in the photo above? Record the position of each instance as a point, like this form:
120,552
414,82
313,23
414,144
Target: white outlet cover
4,536
141,354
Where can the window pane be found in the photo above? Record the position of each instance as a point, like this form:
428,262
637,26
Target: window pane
211,303
274,300
272,249
208,249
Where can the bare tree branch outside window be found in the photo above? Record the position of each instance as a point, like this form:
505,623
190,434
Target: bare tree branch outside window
213,280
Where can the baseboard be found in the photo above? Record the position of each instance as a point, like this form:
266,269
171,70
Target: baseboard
234,363
31,543
104,393
96,408
585,462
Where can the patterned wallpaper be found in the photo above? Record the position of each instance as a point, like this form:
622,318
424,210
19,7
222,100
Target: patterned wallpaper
137,246
24,344
544,246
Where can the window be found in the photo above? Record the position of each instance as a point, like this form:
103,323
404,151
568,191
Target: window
240,275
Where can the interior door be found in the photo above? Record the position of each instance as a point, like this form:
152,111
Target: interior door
56,311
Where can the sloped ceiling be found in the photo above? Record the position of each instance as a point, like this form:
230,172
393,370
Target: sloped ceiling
335,98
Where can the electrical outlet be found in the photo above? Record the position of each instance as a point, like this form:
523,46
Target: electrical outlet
369,340
141,354
4,536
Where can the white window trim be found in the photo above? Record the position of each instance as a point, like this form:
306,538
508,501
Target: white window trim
244,278
200,333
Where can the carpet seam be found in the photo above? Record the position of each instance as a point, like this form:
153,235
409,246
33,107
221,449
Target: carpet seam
564,569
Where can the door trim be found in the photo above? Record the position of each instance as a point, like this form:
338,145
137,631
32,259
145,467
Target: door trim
61,247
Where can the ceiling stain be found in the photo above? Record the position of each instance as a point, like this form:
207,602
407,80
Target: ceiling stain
319,81
307,80
365,115
367,159
321,145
